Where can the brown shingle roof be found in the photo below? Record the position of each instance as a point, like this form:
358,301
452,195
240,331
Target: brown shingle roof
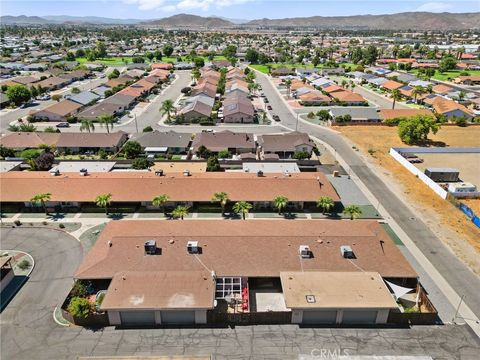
133,187
253,248
222,140
400,113
24,140
62,108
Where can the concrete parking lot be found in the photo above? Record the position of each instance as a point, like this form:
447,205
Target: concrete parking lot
29,331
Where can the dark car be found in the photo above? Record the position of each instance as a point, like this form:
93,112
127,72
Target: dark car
269,107
266,100
276,117
63,125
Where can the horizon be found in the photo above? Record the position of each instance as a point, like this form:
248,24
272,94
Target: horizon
230,9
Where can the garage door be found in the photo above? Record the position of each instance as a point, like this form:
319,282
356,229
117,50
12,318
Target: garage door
178,317
138,318
319,317
359,317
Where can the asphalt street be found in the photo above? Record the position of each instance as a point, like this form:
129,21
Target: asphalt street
460,278
29,331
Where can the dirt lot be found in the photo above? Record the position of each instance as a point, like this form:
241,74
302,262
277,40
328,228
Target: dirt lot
448,223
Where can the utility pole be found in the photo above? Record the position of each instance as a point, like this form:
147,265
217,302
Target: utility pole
136,124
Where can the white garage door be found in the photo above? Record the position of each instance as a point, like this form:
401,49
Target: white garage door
359,317
319,317
178,317
137,318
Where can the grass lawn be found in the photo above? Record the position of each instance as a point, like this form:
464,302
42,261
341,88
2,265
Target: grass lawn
106,61
448,75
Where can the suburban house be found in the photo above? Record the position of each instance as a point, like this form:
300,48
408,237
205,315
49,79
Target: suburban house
236,143
284,145
84,98
308,278
314,98
59,111
238,109
158,142
389,114
357,114
53,83
28,140
468,80
194,111
450,108
91,142
348,97
114,105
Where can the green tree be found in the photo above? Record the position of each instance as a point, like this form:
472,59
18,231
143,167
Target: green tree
416,91
353,211
416,129
196,74
213,164
280,203
167,108
242,207
103,201
142,163
18,94
325,203
160,200
80,307
107,121
288,84
56,97
132,149
396,95
41,199
180,211
45,160
448,62
101,49
88,125
167,49
222,199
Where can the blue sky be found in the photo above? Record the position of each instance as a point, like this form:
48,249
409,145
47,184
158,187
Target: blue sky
238,9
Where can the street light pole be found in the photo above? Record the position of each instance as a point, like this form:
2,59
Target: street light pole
136,124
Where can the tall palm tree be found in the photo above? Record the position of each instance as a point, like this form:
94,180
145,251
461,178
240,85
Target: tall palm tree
280,203
417,90
325,203
180,211
288,84
167,108
396,95
196,74
160,200
103,201
107,121
222,198
87,125
353,210
41,199
242,207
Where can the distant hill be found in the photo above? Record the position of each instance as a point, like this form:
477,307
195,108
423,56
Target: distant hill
89,19
186,20
401,21
22,19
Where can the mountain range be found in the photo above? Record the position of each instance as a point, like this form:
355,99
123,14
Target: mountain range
400,21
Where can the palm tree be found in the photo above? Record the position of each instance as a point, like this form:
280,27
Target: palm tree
167,108
461,95
196,74
103,201
222,198
41,199
417,90
396,95
280,203
87,125
242,207
325,203
107,121
160,200
180,211
288,84
353,210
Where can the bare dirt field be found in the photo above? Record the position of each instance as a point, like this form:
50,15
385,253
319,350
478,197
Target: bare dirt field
467,164
448,223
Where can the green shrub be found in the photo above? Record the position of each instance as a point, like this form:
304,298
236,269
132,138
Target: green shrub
24,264
61,226
80,307
17,222
79,289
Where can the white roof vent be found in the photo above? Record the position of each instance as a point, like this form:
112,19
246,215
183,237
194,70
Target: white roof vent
83,172
56,172
192,247
347,252
186,172
304,251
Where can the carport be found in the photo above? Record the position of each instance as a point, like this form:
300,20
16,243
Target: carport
356,298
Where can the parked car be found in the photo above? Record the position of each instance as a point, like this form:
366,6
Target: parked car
415,161
45,97
63,125
208,131
266,100
269,107
276,117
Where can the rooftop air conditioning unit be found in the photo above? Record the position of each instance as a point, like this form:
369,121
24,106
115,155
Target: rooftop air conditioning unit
259,173
304,251
186,172
55,173
347,252
83,172
192,247
150,247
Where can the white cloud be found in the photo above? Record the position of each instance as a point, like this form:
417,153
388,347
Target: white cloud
435,7
183,4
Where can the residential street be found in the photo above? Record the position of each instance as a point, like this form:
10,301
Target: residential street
460,278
